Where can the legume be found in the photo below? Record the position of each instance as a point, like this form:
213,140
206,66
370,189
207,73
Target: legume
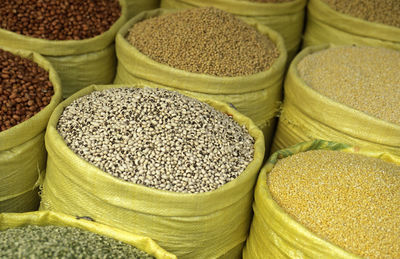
348,199
364,78
59,20
379,11
157,138
25,89
204,40
62,242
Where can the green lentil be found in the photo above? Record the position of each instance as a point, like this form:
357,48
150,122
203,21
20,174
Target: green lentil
364,78
204,40
348,199
62,242
379,11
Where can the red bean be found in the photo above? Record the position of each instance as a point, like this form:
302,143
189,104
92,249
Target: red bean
59,20
24,91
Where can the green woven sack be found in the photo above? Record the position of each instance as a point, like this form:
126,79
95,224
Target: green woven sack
78,62
257,96
22,151
285,18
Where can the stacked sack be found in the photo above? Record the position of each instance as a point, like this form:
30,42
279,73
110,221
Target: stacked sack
323,199
366,22
155,163
347,94
284,16
30,90
48,234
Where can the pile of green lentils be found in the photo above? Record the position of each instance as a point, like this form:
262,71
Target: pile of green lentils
348,199
63,242
364,78
157,138
204,40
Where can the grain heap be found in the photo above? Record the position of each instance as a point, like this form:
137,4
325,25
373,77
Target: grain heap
364,78
348,199
62,242
379,11
59,20
157,138
25,89
204,40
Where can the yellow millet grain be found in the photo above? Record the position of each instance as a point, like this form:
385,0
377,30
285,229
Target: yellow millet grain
348,199
379,11
364,78
204,40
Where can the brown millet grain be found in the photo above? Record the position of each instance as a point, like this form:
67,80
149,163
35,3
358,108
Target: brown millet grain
204,40
348,199
25,89
364,78
379,11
